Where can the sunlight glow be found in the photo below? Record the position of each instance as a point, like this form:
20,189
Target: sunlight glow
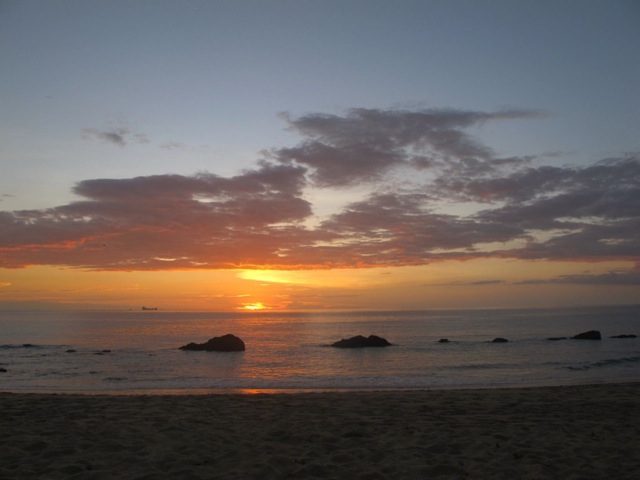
253,306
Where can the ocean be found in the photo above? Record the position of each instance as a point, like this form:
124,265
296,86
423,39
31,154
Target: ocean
137,351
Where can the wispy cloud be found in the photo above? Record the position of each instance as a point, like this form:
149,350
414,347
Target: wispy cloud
619,277
467,284
172,145
120,135
262,217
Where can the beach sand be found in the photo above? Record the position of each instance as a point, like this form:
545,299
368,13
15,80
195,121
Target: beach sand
569,432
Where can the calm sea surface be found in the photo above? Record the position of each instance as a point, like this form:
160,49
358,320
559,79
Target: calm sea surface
138,351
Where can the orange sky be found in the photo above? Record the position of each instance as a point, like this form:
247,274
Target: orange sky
481,283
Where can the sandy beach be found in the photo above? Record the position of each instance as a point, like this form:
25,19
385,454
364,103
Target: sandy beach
569,432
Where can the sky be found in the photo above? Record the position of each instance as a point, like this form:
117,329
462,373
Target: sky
319,155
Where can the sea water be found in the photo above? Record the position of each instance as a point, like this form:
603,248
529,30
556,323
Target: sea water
137,351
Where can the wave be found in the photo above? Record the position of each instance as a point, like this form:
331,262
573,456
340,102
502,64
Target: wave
609,362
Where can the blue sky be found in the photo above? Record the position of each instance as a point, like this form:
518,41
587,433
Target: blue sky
95,90
216,74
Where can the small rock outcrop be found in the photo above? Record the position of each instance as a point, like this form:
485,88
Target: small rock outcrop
499,340
555,339
443,340
590,335
625,336
362,342
226,343
3,370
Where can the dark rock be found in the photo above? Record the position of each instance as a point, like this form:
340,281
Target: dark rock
71,351
625,336
443,340
3,370
226,343
28,345
499,340
590,335
362,342
555,339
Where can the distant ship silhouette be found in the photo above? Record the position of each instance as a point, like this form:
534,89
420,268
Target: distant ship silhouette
149,308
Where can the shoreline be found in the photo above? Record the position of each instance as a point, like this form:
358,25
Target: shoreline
563,432
180,392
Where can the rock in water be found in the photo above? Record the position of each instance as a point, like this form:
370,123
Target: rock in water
226,343
626,335
362,342
590,335
499,340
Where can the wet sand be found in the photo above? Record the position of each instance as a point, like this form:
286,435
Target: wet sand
570,432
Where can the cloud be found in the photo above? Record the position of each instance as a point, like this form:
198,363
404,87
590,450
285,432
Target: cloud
171,145
589,212
263,218
163,222
535,184
467,284
620,277
401,229
121,135
364,144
